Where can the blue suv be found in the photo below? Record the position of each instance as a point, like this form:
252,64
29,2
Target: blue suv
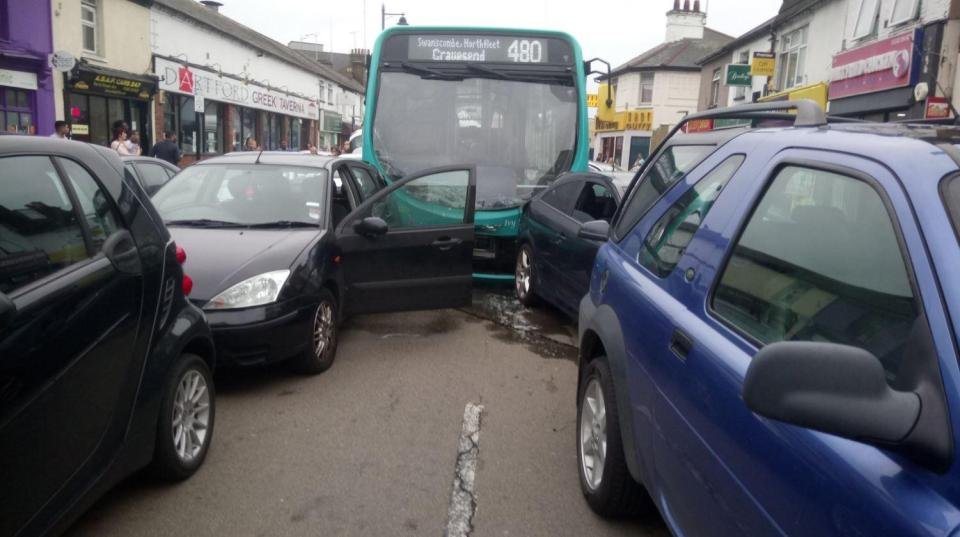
768,345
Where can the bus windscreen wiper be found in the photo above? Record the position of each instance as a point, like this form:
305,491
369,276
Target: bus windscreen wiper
428,72
485,70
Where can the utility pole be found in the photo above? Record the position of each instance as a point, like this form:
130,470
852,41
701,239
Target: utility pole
384,14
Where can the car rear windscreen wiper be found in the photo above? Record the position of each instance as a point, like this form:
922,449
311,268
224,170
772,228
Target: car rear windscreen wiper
283,224
203,222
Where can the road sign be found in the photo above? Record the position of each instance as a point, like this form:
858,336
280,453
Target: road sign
198,104
763,64
738,75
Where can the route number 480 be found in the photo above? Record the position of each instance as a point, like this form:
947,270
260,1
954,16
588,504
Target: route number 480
525,51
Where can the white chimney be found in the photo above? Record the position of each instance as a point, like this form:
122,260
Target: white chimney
685,22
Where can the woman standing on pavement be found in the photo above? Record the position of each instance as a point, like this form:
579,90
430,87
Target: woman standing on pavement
119,143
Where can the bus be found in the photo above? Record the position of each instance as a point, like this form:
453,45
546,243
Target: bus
512,103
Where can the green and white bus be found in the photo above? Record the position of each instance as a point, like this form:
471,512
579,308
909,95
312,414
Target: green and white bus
510,102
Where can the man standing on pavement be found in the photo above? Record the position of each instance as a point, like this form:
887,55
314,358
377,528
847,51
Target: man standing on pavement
167,149
61,130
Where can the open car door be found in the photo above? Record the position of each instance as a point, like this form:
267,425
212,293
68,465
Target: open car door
410,245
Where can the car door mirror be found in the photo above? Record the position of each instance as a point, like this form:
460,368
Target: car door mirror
371,226
832,388
597,230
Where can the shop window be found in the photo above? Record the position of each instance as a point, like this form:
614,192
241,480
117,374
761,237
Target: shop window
295,127
187,131
4,20
89,22
904,11
867,19
16,111
646,88
249,123
792,58
212,128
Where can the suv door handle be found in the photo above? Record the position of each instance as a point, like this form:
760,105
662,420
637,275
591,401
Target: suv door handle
446,243
122,252
680,344
560,237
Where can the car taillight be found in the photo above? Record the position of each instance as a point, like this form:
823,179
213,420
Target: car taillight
187,282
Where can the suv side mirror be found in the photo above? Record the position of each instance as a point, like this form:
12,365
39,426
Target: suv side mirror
371,226
836,389
597,230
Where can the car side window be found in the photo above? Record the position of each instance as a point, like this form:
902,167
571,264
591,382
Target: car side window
39,229
662,174
439,199
96,207
596,202
154,176
671,234
819,260
365,181
561,197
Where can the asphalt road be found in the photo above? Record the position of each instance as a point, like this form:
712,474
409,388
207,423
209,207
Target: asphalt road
371,446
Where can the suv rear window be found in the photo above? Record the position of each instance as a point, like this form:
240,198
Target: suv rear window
662,174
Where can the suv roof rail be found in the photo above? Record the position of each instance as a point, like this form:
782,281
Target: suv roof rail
808,113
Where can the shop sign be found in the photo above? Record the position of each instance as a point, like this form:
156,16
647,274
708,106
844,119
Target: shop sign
198,104
593,100
62,61
188,80
937,108
640,120
80,130
699,125
738,75
763,64
111,85
18,79
882,65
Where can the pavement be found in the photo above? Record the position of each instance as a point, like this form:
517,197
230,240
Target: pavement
452,422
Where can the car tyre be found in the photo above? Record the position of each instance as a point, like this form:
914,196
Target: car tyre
604,478
187,416
322,343
525,277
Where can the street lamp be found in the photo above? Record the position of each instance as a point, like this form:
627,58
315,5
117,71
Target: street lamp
384,14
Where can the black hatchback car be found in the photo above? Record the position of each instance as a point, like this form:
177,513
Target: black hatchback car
104,364
284,245
152,173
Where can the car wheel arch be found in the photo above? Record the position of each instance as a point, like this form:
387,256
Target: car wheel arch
204,348
602,336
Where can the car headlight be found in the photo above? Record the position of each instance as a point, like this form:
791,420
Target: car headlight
256,291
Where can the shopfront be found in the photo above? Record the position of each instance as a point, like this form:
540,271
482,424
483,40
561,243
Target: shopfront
876,81
624,140
233,109
331,129
26,80
96,98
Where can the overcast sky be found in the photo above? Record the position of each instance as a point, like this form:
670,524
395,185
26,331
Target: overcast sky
615,30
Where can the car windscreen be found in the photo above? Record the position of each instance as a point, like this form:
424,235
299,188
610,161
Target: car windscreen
243,194
520,134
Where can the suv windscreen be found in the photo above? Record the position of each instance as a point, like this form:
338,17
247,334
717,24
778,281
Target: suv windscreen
951,198
243,194
662,174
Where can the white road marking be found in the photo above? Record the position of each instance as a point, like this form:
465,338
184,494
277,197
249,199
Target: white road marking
463,498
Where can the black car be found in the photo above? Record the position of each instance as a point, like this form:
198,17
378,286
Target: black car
284,245
104,364
554,259
152,173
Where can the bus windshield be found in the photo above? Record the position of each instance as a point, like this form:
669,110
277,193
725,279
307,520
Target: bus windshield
520,134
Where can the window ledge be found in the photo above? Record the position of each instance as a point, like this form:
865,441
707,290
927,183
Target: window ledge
94,57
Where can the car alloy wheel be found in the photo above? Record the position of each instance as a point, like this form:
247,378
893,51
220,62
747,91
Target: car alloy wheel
323,329
191,416
524,277
593,434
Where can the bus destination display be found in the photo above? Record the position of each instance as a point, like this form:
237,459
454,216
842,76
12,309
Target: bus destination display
477,48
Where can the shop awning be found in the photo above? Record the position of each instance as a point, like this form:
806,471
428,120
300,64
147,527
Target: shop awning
113,82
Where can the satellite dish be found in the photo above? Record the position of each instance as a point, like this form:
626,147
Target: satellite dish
921,91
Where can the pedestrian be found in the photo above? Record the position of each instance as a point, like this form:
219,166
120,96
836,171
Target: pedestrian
61,130
335,150
284,146
251,144
167,149
119,143
313,149
133,144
